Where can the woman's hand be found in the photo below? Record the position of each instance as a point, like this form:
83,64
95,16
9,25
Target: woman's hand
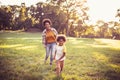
44,46
53,58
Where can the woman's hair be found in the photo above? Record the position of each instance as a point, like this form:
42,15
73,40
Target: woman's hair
46,20
63,37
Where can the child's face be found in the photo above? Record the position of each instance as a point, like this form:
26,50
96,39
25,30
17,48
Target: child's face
61,42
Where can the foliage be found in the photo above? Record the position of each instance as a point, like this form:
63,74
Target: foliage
69,17
5,18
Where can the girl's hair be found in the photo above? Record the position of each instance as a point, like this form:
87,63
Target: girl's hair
46,20
63,37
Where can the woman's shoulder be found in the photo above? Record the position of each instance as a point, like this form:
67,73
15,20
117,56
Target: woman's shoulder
53,28
44,31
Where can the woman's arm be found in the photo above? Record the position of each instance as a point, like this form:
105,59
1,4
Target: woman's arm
44,38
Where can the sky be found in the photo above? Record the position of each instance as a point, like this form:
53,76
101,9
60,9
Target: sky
99,9
103,9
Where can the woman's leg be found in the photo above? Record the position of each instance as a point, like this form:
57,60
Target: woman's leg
47,52
53,47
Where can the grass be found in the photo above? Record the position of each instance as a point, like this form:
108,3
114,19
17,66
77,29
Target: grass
22,56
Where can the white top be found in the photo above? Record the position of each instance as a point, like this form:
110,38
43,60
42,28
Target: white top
59,52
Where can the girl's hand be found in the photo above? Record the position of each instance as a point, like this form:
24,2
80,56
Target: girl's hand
57,60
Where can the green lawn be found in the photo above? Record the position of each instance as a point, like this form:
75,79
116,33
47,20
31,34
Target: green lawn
22,56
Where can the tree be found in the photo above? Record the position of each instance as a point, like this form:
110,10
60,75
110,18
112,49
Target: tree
22,17
5,18
118,14
73,9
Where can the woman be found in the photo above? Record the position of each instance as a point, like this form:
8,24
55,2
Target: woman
49,39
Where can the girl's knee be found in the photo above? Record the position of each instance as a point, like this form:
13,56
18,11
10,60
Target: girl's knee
58,67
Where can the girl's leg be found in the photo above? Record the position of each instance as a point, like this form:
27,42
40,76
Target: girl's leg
61,65
58,68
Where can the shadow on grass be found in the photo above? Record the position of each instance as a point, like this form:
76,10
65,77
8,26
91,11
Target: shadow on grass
112,75
58,78
6,73
113,55
33,77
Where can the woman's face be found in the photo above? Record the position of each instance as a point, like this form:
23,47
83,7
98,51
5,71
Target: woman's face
47,25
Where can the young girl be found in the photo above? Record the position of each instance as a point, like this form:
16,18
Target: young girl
60,54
